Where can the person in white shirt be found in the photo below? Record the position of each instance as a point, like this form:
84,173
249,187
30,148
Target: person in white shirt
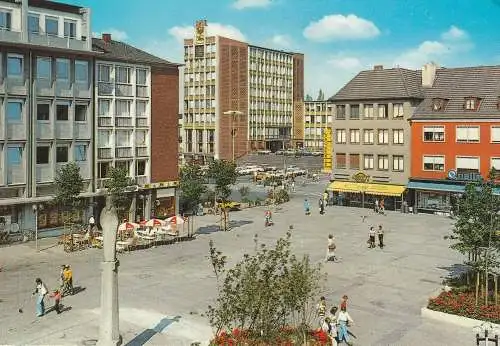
330,250
343,320
41,292
330,329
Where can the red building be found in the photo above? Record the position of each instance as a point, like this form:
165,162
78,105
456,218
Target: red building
455,134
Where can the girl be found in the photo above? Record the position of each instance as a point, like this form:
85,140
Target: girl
41,292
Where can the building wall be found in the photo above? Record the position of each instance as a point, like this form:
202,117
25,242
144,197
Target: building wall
390,123
164,124
232,72
318,115
485,149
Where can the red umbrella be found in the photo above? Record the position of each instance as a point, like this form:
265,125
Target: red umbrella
155,223
128,226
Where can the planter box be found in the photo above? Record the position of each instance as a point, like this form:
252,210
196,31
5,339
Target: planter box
453,319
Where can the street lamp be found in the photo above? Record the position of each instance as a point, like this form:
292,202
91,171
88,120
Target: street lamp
35,211
233,130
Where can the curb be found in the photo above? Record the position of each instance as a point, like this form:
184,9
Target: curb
453,319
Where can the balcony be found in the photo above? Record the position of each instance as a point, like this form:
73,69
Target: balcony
124,90
10,36
105,122
123,121
105,89
123,152
142,91
141,180
141,122
104,153
57,42
141,151
44,87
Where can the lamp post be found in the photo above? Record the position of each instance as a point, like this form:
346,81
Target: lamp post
233,130
35,211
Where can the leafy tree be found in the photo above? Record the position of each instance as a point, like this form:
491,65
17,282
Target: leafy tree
321,95
192,186
69,185
224,175
120,186
309,97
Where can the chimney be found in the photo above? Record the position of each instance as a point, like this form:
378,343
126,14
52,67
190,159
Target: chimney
429,74
106,38
378,67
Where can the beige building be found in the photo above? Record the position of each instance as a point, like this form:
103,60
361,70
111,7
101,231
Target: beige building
318,115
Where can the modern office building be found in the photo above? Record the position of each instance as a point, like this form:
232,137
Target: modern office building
371,149
136,107
318,115
239,97
46,106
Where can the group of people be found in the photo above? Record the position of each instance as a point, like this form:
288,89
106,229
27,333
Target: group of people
336,323
379,206
41,291
322,203
371,237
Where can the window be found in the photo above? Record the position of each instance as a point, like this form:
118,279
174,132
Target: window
398,136
368,161
140,167
467,134
103,138
14,155
80,112
340,136
103,107
354,161
42,155
51,26
62,69
495,134
398,111
103,169
5,20
43,68
80,152
15,65
140,108
340,112
43,111
382,111
122,75
104,73
123,108
466,164
439,105
433,133
62,111
340,160
383,136
433,163
140,137
471,103
81,71
33,23
354,134
368,136
354,112
368,111
122,138
14,111
69,28
62,154
398,163
495,163
141,76
383,162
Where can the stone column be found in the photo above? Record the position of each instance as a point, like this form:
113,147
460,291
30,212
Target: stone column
109,332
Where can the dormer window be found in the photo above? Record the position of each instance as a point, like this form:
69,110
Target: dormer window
471,103
439,104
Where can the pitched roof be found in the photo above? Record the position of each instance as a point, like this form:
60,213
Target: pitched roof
392,83
115,50
456,84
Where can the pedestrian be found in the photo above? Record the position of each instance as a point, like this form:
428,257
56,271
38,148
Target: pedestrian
41,292
326,198
321,206
380,233
61,276
68,280
307,207
293,185
371,237
330,329
344,320
330,250
321,310
375,207
91,224
57,300
382,207
343,301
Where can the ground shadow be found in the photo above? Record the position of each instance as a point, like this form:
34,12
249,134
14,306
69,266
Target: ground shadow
456,270
147,334
62,308
76,290
238,223
208,229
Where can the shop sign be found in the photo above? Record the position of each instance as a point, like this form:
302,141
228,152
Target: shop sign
454,175
327,149
200,31
162,184
360,177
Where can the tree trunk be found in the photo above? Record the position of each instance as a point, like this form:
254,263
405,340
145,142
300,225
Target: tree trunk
477,287
496,289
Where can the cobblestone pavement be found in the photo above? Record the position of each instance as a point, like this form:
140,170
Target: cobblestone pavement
164,291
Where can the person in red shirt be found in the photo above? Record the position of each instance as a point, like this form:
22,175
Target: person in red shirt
57,300
343,302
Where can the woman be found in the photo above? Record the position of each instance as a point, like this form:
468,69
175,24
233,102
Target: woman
41,292
343,320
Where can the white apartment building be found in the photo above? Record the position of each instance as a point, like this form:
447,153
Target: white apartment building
318,115
45,107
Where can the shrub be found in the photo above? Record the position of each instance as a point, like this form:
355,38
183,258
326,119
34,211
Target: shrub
244,191
282,196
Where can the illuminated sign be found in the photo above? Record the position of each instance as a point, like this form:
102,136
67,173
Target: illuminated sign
360,177
199,32
472,176
327,149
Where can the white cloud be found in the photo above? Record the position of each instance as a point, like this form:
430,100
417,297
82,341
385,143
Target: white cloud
345,62
283,41
213,29
242,4
340,27
454,33
116,34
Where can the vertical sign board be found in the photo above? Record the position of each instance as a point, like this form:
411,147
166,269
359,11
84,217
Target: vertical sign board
199,38
327,150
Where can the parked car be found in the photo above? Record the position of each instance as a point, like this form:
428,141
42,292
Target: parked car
279,152
263,152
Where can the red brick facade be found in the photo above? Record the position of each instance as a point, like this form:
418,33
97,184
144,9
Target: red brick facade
164,124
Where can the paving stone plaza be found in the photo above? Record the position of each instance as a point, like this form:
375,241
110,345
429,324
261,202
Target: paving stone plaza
165,290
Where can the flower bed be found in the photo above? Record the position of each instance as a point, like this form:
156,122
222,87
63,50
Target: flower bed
464,304
289,337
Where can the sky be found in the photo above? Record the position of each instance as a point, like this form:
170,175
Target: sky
339,38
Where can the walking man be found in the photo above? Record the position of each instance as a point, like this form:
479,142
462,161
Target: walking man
380,233
330,250
376,205
41,292
321,206
371,235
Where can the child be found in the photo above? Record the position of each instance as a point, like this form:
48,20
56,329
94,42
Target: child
380,233
330,250
343,302
321,310
57,300
371,235
68,279
330,329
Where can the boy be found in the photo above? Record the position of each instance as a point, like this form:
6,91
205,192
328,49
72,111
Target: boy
380,233
57,300
68,279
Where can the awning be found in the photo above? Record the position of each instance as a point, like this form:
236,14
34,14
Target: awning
422,185
370,189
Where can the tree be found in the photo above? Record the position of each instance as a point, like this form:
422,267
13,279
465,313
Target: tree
192,186
69,185
266,292
321,95
119,186
224,175
309,97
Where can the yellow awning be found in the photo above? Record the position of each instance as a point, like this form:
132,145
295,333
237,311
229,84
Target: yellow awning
370,189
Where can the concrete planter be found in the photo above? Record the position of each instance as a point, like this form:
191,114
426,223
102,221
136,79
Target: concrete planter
461,321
